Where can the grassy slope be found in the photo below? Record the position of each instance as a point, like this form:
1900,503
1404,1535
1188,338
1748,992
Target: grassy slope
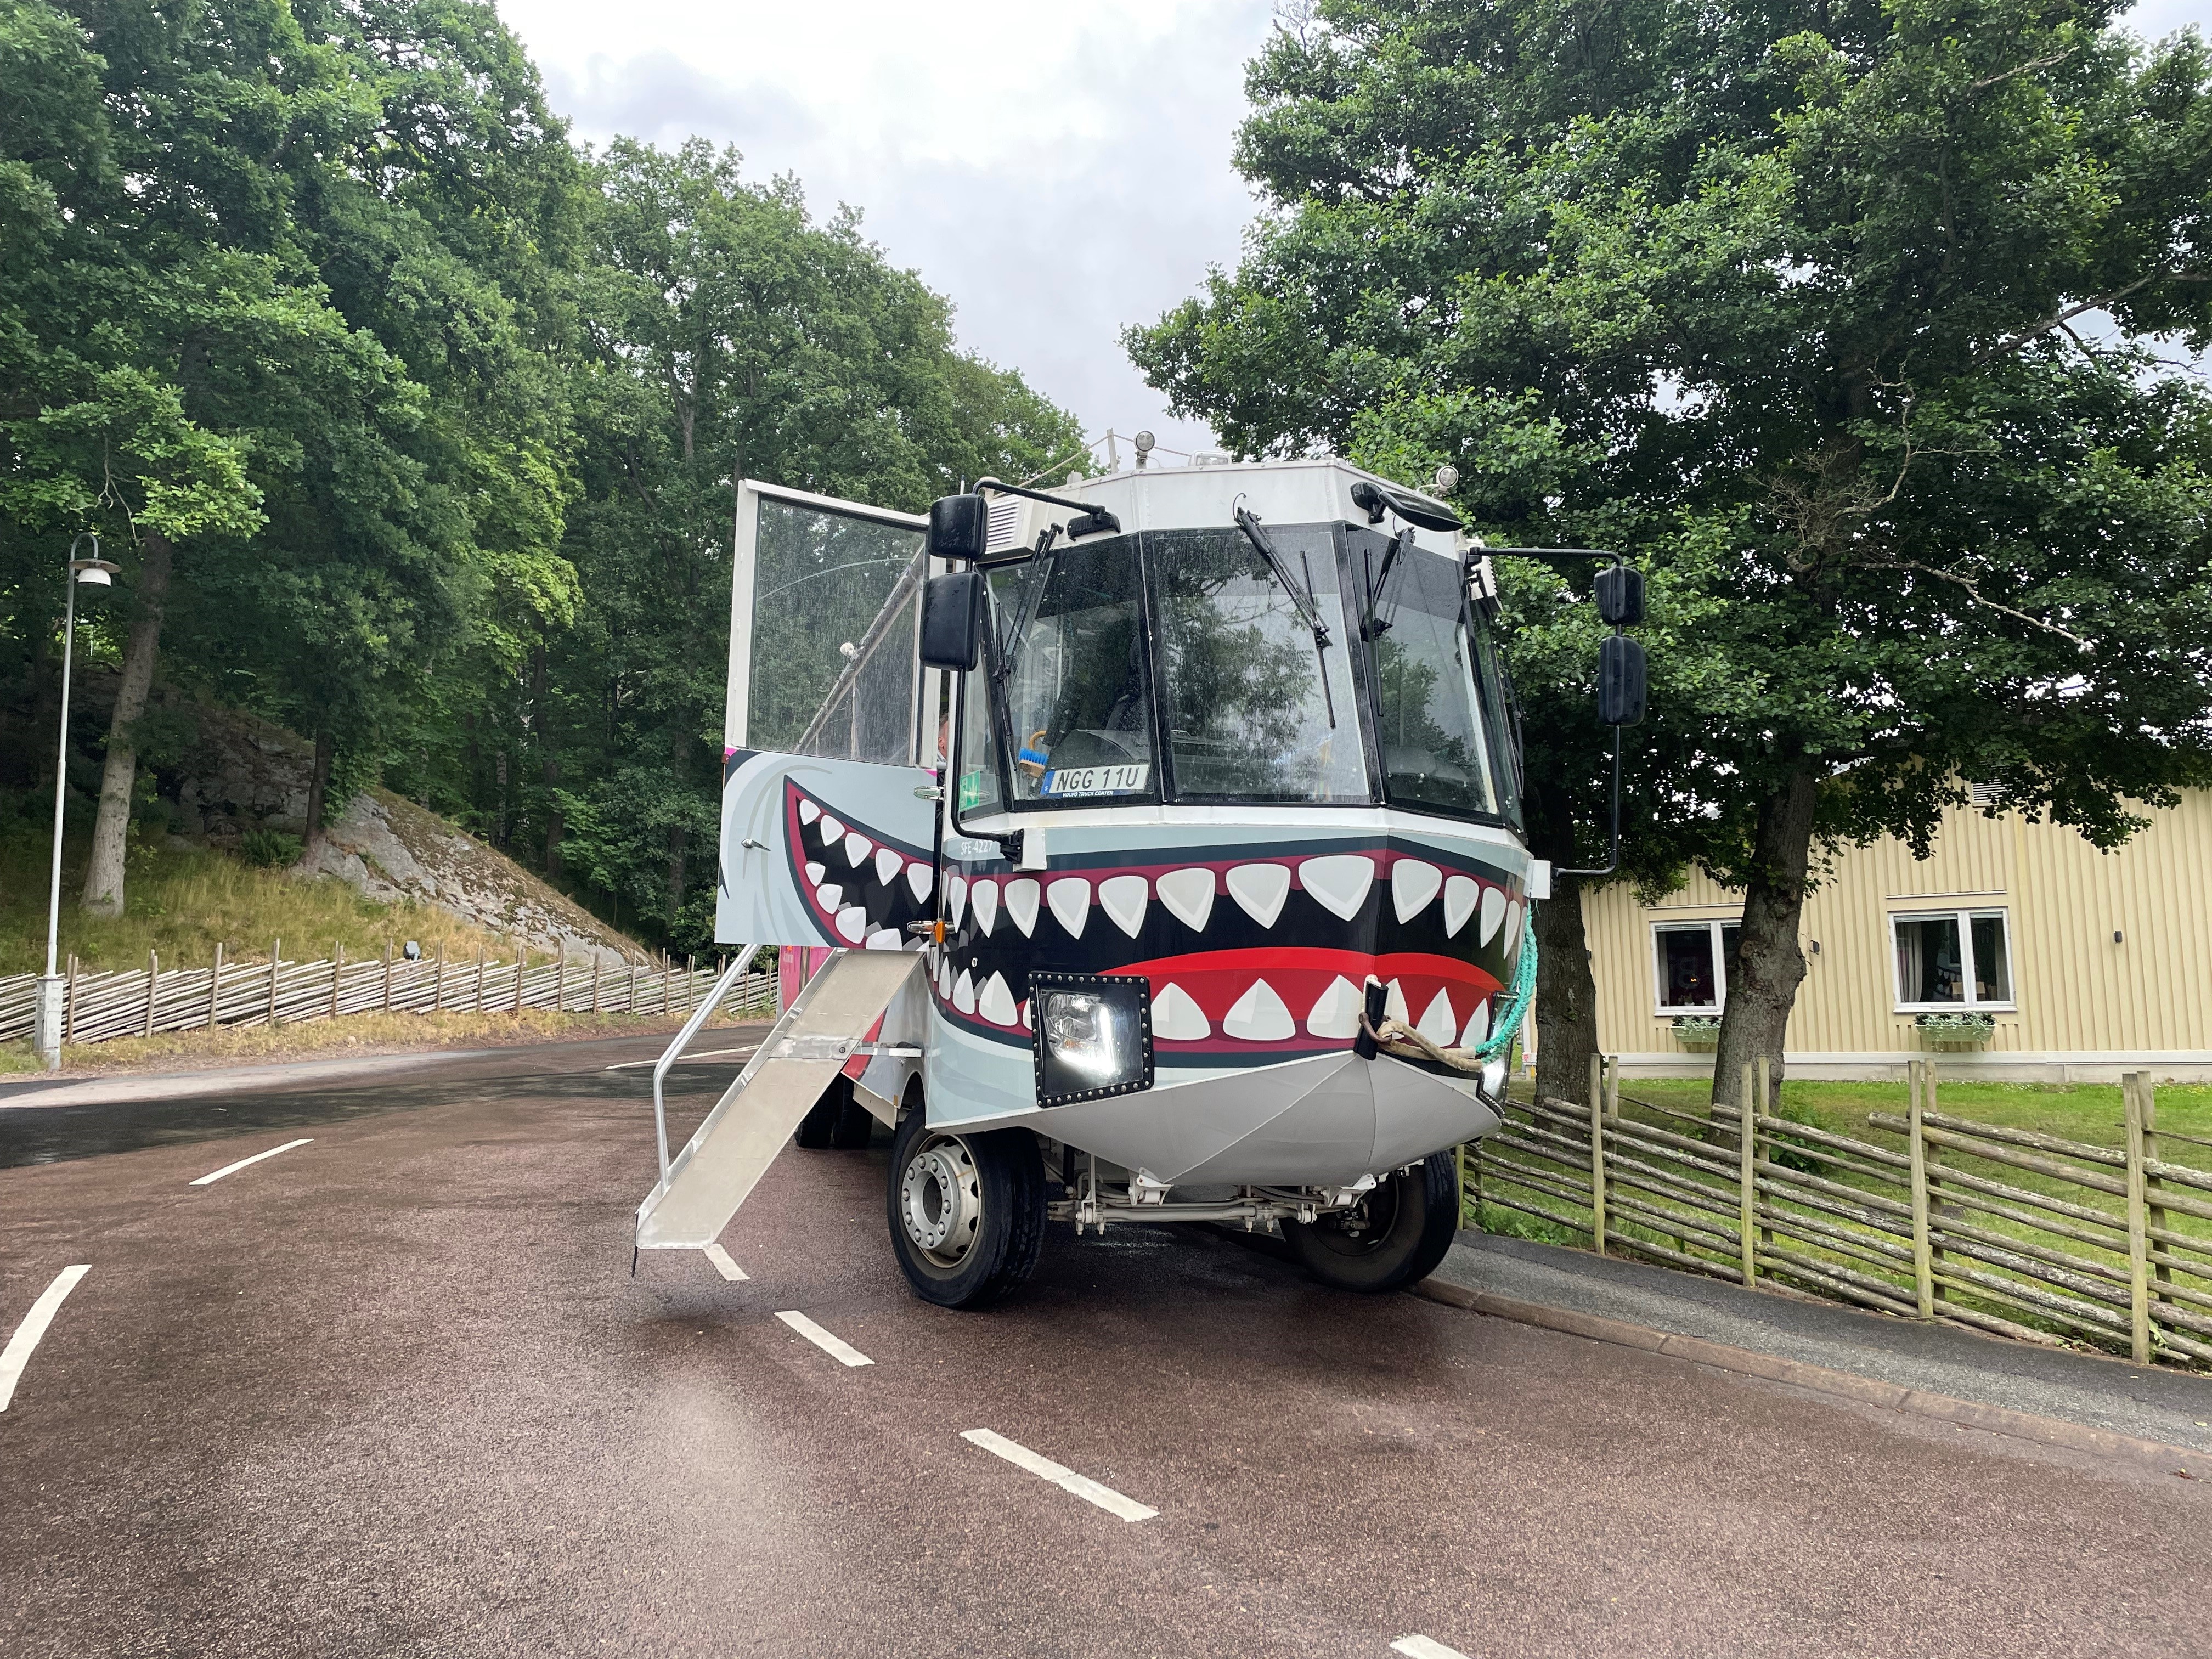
182,902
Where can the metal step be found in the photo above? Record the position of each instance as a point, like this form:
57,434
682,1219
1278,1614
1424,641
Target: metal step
722,1163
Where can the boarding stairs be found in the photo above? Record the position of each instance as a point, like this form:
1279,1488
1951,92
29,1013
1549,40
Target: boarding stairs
826,1026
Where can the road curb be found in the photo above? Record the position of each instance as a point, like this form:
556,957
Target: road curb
1823,1379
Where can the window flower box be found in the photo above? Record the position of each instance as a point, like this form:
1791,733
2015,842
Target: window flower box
1961,1031
1696,1031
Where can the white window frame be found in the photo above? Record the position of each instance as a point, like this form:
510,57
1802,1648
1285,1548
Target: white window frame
1661,1007
1964,917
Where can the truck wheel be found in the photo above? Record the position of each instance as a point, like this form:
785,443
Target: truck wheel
817,1130
966,1211
856,1124
1395,1238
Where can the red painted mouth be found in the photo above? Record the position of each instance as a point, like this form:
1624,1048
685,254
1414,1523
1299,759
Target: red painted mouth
861,887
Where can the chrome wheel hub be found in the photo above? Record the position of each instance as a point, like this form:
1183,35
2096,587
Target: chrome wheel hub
941,1199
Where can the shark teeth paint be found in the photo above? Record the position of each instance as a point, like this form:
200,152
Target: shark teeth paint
1493,912
1337,1012
1258,1016
1438,1024
1413,884
1188,896
880,885
1177,1017
887,864
997,1002
1070,899
1260,890
1339,883
1022,897
983,897
1123,899
1462,894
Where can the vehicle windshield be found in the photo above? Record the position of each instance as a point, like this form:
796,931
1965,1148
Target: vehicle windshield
1436,746
1078,702
1245,709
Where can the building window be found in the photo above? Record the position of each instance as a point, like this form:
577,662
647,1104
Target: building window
1690,960
1951,959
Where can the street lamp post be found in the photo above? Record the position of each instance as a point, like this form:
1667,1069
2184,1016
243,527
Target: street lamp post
94,572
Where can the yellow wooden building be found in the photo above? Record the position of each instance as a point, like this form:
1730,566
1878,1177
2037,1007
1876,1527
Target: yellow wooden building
2085,963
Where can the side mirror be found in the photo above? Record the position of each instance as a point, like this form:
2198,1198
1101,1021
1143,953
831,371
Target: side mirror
953,612
958,527
1621,681
1620,596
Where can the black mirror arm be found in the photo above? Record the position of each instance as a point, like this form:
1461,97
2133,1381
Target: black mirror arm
1099,517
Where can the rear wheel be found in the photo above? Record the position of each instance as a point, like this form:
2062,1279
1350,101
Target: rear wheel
1393,1237
966,1211
817,1130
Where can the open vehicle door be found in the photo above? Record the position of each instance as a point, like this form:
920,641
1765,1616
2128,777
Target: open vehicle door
828,831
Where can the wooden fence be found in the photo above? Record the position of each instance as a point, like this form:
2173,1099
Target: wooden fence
1975,1223
99,1007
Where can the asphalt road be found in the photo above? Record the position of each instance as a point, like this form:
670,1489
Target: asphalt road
394,1392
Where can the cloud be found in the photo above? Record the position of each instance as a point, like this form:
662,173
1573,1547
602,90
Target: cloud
1058,175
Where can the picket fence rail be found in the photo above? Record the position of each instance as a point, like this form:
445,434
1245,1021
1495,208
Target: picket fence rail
99,1007
1973,1222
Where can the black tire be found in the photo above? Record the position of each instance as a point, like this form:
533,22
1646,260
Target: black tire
817,1130
856,1124
1402,1229
970,1253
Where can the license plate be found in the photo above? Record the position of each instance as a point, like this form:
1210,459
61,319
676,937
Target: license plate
1098,781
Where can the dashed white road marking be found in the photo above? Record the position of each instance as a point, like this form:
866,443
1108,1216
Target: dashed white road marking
723,1265
17,1353
1421,1647
704,1053
1065,1479
232,1169
837,1347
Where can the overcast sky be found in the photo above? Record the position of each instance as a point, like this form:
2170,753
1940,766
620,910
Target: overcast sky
1060,173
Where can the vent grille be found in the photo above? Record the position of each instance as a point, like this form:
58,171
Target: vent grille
1006,525
1986,794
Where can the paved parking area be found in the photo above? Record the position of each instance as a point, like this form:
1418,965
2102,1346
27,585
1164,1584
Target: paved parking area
393,1390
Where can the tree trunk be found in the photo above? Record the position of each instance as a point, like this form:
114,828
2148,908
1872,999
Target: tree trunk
549,759
1764,975
675,872
319,787
1566,997
103,881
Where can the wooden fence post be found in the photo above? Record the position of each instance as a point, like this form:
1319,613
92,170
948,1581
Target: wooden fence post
1748,1197
598,972
480,1003
275,955
438,982
387,976
690,983
1597,1078
1923,1256
2131,1091
521,968
1597,1167
153,984
338,974
2161,1271
69,1005
1765,1233
215,987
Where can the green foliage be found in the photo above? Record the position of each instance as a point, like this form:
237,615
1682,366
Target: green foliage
269,849
440,411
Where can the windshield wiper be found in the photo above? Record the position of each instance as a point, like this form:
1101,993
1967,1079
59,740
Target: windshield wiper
1302,599
1370,629
1025,600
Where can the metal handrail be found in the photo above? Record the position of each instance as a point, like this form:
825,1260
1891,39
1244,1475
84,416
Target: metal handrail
675,1049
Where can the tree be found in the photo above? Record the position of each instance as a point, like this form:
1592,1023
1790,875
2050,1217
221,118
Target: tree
1801,298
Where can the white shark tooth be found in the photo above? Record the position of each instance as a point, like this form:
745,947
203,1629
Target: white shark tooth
884,938
984,896
1260,888
1177,1017
1189,894
956,900
1394,1005
1070,898
997,1002
1513,930
921,878
1413,884
1259,1015
945,978
857,848
1493,912
815,872
963,993
1462,894
1438,1024
1025,1017
830,896
832,830
1021,898
1123,898
1478,1025
1336,1013
1339,883
887,864
808,812
852,922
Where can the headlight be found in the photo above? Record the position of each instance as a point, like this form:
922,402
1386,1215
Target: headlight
1094,1036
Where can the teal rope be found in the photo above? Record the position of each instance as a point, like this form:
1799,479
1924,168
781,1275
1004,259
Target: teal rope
1507,1026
